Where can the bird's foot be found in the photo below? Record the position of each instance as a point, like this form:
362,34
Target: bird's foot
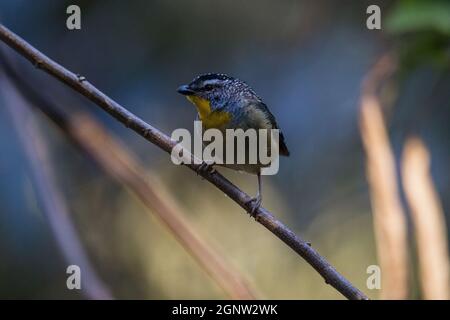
255,204
206,167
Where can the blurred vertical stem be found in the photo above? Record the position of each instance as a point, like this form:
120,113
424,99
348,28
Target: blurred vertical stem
428,220
51,200
388,215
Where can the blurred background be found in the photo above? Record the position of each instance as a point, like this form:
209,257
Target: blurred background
307,60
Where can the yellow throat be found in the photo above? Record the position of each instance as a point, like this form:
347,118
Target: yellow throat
210,119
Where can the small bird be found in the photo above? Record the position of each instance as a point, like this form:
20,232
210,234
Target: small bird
224,102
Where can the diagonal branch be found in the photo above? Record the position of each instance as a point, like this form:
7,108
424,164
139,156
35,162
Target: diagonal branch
263,216
115,160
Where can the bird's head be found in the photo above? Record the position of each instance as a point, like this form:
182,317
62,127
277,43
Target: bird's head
212,91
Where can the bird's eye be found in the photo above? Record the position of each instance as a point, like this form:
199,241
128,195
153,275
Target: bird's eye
208,87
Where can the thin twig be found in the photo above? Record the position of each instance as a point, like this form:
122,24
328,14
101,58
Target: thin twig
428,219
388,216
52,201
113,157
263,216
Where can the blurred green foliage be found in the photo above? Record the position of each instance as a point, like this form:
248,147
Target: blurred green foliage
423,31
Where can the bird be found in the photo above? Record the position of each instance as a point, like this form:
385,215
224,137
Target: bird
224,102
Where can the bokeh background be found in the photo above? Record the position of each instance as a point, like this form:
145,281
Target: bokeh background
307,60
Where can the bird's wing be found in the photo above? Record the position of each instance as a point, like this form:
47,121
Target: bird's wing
260,117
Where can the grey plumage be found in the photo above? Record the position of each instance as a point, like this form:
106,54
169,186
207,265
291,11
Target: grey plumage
236,97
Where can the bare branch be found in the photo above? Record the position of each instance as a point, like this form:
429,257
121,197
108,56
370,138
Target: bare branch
80,84
388,216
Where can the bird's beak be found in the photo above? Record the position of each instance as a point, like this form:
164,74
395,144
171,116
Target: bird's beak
185,90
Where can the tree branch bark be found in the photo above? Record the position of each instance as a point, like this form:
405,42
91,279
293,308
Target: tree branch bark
263,216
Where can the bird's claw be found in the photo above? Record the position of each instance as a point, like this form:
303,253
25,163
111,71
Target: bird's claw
206,167
255,204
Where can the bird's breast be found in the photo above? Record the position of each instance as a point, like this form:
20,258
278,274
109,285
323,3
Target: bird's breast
216,119
210,118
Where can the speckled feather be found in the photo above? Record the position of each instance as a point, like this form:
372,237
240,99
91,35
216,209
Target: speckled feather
231,95
224,102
